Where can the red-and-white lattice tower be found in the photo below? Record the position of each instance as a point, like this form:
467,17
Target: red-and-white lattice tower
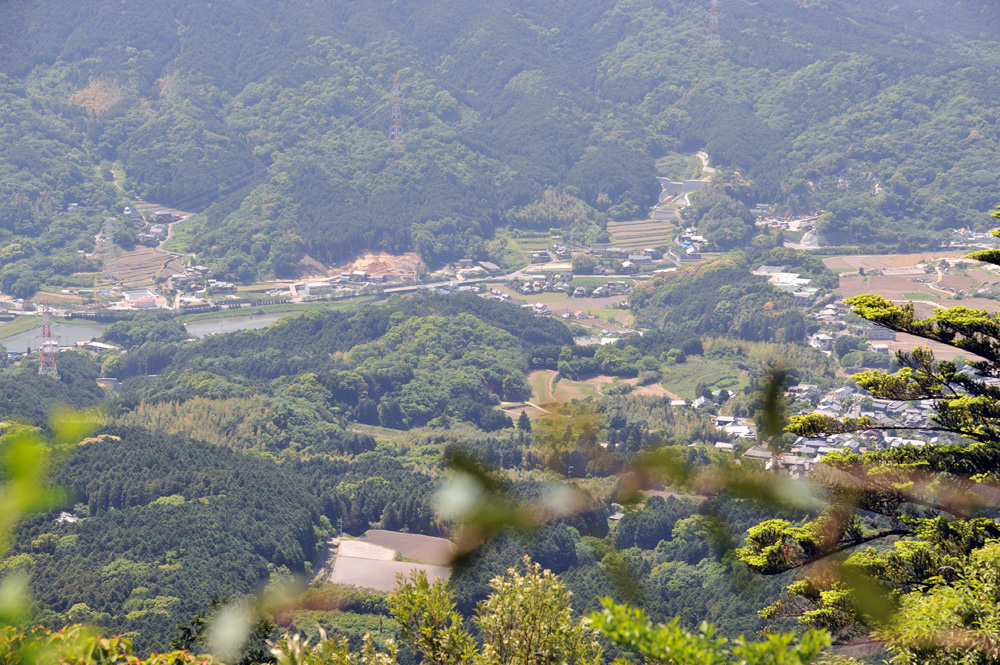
714,41
49,345
396,120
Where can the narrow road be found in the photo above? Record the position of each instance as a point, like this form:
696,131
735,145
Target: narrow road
940,276
922,302
705,168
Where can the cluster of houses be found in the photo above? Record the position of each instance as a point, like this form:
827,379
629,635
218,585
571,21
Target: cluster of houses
604,290
875,333
969,238
557,253
629,258
789,282
151,234
552,283
690,242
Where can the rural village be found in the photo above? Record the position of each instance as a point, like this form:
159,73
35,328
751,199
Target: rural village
152,277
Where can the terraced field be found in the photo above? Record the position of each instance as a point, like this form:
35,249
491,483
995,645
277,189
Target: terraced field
641,233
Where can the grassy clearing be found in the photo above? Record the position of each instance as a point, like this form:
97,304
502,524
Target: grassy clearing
56,298
376,431
715,373
567,391
547,298
183,235
19,325
533,244
539,380
562,391
260,287
620,316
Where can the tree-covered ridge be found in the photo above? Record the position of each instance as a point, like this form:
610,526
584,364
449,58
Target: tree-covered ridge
276,119
169,524
401,365
718,296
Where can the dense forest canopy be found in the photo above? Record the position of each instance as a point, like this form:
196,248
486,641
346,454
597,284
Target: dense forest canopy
274,119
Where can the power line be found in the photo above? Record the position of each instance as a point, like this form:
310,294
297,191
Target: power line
396,138
714,40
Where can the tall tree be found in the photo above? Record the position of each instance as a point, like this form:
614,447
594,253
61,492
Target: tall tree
906,534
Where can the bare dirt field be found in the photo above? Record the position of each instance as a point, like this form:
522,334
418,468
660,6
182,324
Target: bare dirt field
426,549
941,290
359,549
890,286
880,261
532,410
577,304
379,575
906,342
652,389
385,264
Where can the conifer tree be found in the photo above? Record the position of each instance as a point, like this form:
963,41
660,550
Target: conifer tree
903,547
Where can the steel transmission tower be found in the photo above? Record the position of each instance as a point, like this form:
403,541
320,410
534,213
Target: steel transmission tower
396,121
49,345
713,42
108,249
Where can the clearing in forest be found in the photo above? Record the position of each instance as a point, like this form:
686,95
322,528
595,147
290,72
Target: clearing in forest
380,575
370,561
415,546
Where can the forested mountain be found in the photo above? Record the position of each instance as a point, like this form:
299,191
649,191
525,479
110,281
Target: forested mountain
274,118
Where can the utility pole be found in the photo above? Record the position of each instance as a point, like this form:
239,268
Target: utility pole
49,345
108,248
396,138
714,41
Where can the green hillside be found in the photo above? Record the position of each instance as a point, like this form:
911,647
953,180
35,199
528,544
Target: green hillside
273,119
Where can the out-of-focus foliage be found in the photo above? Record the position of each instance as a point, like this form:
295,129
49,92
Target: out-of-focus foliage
906,534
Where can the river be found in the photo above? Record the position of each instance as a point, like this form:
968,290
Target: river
68,335
233,323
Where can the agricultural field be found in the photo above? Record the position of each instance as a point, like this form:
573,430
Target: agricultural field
371,562
380,575
641,233
882,261
140,266
956,285
906,342
413,546
358,549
